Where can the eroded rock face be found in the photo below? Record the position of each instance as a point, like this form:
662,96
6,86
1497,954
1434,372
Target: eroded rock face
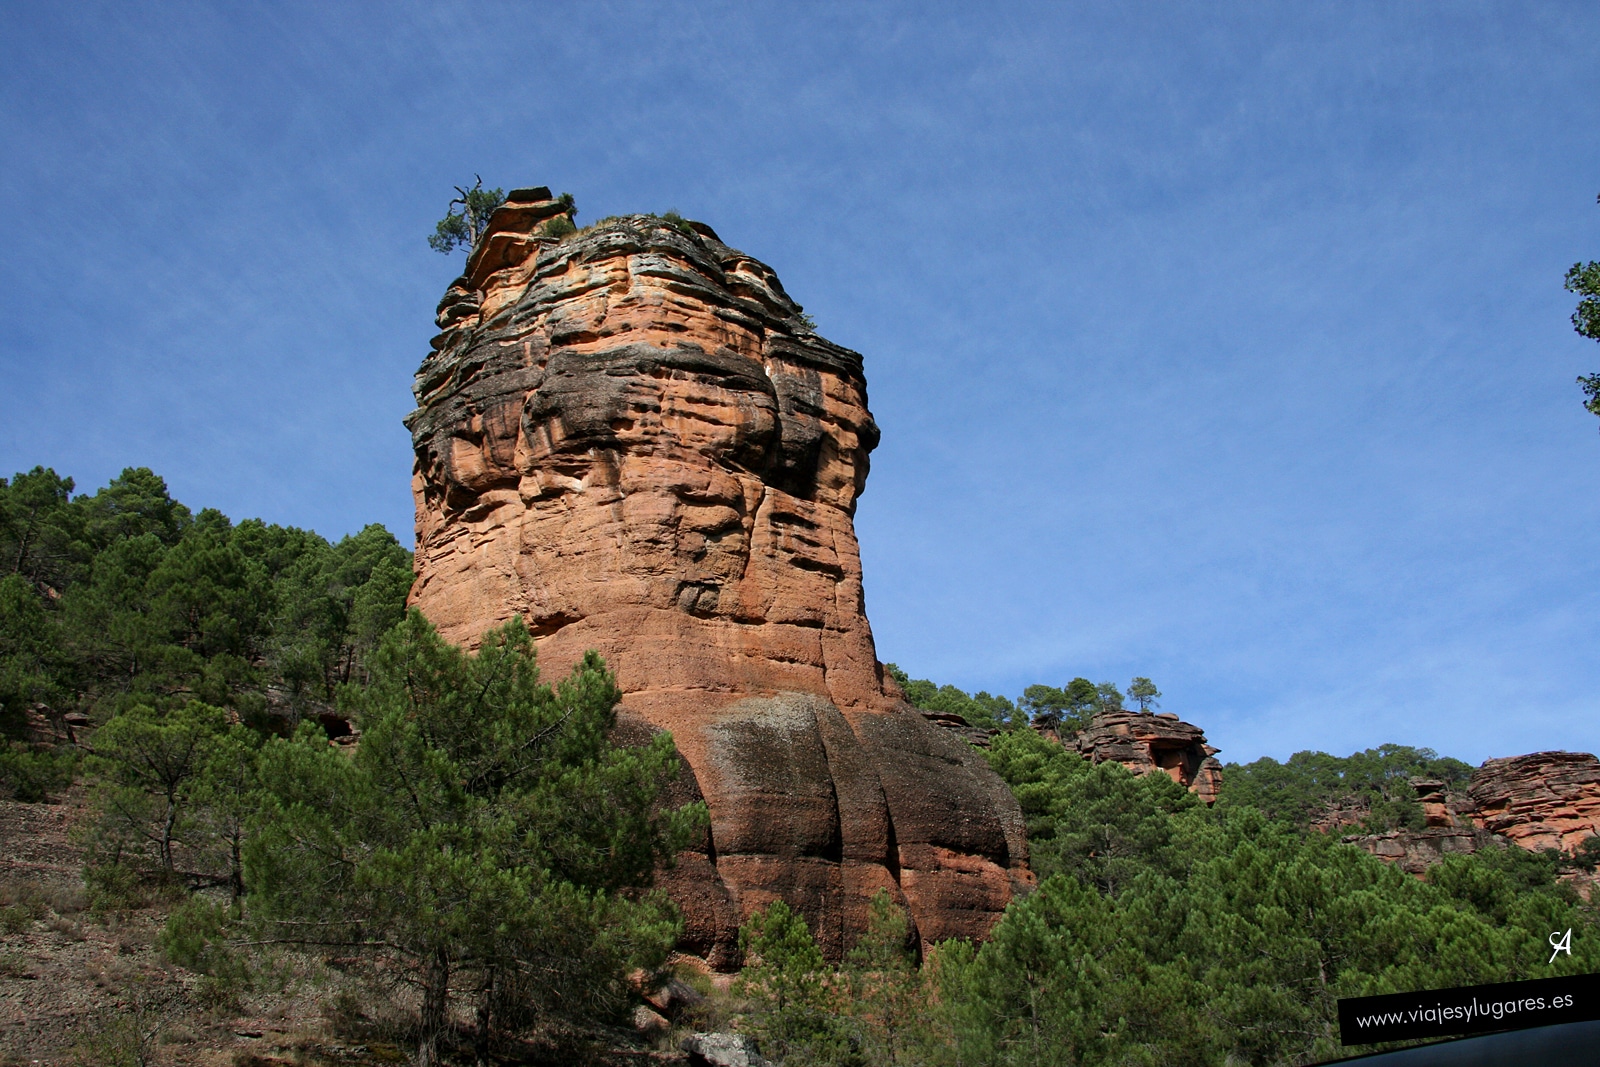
1544,800
632,438
1442,807
1414,851
1145,743
1539,801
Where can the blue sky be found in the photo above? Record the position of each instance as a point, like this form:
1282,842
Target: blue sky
1223,344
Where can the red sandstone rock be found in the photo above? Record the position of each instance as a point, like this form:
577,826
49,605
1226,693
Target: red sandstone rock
1442,808
1543,800
1539,801
632,438
1145,742
1336,815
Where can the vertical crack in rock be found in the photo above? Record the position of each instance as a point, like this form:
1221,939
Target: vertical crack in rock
634,439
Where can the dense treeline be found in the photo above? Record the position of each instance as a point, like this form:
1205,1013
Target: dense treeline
1163,932
485,842
1068,707
1371,789
125,598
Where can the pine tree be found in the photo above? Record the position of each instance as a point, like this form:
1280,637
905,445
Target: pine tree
466,218
486,836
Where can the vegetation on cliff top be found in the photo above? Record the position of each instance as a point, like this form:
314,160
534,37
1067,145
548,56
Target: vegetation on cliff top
1371,788
1583,279
466,217
1065,708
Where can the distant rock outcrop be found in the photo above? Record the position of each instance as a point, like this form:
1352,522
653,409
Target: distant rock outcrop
1448,828
1414,851
1144,742
1542,800
634,439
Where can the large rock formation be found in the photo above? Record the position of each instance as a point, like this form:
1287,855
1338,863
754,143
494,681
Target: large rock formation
1144,743
632,438
1539,801
1448,827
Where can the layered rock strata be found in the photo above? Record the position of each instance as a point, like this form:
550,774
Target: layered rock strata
1145,743
1442,807
1544,800
632,438
1539,801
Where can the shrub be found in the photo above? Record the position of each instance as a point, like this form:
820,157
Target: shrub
31,775
114,887
678,222
195,937
558,227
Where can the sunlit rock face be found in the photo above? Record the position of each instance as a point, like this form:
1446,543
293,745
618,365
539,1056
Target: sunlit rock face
633,439
1539,801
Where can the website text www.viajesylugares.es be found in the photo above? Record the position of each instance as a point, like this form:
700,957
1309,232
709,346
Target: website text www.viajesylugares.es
1469,1010
1445,1014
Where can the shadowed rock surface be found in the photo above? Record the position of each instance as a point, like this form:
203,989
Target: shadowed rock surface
632,438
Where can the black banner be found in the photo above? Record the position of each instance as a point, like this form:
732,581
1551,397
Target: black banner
1469,1010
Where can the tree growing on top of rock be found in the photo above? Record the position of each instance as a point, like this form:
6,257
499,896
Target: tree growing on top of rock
1584,280
466,218
1071,707
1143,692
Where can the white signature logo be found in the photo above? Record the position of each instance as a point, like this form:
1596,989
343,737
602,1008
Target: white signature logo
1560,943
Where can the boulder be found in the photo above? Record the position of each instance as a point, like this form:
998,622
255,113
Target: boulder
649,1023
723,1050
633,438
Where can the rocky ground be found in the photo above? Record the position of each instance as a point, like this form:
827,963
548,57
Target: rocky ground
85,987
88,987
